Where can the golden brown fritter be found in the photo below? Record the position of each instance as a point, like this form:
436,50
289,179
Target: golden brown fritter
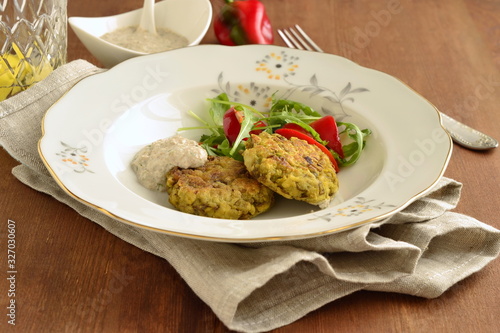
293,168
222,188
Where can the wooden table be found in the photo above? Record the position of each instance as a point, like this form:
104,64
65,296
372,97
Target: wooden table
447,50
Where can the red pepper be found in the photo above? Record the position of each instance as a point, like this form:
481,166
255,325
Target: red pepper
243,22
231,125
291,133
297,128
258,127
328,131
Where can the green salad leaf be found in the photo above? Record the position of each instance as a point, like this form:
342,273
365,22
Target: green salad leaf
352,150
282,111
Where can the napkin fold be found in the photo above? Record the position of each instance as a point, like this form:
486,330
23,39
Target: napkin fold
254,287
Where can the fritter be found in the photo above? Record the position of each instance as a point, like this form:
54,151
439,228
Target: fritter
222,188
293,168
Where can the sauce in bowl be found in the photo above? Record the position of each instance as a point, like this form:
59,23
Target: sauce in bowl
144,41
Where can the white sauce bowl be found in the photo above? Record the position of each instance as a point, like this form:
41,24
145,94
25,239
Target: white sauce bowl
189,18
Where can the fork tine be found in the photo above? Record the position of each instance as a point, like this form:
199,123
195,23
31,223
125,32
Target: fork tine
309,39
301,41
285,39
289,40
298,40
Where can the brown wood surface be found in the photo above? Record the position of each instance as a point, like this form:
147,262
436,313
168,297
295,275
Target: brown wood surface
73,276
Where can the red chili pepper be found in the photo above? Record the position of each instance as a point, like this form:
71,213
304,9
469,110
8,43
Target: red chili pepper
291,133
231,125
243,22
328,131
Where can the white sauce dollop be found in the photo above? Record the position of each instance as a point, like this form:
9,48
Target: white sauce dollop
152,162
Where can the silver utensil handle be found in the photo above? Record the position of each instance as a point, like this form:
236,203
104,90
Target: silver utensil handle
467,136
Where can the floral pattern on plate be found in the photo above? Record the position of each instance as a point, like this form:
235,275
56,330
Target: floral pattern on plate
278,66
283,67
362,205
75,158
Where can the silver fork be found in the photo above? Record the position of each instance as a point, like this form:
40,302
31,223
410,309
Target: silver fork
296,38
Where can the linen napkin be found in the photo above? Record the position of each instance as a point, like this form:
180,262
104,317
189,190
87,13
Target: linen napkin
421,251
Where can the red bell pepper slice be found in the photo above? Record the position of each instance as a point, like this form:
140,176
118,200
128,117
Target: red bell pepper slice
258,127
231,125
291,133
243,22
297,128
328,131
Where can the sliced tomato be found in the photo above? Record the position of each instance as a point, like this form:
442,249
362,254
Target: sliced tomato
328,131
291,133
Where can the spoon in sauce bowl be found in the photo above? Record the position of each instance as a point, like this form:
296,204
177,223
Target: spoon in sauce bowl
188,18
145,37
147,22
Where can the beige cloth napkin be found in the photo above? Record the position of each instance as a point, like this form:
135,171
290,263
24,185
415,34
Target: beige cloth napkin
420,251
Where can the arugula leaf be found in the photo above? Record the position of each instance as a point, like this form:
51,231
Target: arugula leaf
289,105
353,150
222,99
218,108
246,126
216,143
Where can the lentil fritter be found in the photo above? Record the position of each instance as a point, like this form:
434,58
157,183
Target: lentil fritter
293,168
222,188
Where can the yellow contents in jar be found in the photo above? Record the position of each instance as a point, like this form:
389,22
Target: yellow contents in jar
17,74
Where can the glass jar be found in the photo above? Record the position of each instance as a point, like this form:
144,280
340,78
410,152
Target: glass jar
33,42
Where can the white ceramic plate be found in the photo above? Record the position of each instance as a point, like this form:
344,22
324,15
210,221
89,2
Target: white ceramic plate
92,133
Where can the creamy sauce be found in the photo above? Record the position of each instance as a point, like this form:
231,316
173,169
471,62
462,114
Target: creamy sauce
152,163
144,41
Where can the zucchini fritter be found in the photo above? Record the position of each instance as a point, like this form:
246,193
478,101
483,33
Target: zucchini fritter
222,188
293,168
